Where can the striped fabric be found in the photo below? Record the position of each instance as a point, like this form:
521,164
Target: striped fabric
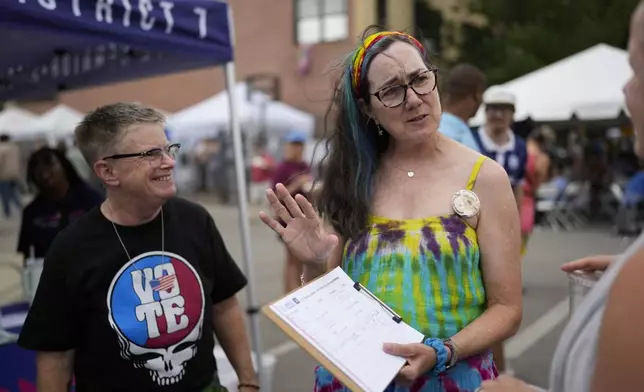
428,271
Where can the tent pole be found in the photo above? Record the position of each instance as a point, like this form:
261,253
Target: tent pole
240,171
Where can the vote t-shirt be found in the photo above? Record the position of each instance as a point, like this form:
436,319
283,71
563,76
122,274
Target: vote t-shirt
139,324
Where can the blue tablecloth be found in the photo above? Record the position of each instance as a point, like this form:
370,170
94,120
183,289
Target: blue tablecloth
18,369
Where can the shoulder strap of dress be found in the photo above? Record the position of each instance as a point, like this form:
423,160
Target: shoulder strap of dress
475,172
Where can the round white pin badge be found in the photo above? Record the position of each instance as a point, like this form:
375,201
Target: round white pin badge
466,203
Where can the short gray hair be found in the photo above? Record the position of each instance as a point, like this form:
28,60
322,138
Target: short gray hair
103,127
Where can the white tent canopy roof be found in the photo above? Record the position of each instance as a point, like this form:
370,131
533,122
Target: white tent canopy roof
17,122
60,121
587,85
208,117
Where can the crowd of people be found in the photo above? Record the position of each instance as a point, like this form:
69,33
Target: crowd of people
138,282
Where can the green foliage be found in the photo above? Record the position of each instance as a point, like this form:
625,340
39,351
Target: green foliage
525,35
431,22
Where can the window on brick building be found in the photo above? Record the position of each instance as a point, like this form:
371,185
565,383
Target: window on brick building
321,21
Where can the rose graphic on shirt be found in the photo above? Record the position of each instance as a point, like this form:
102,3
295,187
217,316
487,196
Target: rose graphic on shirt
156,307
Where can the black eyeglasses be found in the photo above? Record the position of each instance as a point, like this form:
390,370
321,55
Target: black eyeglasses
422,84
172,150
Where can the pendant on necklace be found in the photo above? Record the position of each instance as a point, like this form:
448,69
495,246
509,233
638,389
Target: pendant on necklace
410,174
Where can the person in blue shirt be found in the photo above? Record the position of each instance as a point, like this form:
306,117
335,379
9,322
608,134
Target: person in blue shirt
465,86
634,190
497,141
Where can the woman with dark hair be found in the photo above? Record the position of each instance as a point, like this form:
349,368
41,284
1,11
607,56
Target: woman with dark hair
430,226
61,198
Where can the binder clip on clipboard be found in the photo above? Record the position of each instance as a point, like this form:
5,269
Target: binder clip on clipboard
394,315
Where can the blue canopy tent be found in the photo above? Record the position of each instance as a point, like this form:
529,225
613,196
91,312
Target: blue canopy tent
51,46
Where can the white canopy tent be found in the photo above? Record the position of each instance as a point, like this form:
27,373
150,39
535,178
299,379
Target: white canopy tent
17,123
209,117
58,122
587,85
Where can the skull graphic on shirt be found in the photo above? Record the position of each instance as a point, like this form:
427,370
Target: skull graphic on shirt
156,308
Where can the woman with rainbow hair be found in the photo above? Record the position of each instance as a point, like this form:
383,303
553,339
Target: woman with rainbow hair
428,225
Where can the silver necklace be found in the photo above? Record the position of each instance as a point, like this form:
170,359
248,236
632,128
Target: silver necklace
109,205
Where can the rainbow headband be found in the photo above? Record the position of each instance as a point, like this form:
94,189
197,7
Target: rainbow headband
358,56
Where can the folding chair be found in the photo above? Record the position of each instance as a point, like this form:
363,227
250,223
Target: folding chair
571,206
562,210
546,204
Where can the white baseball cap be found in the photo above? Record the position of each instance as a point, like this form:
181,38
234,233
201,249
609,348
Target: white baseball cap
497,95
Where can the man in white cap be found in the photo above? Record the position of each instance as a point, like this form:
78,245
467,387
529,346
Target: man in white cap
497,141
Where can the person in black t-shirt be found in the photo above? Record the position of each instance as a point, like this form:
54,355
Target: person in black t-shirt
62,198
131,293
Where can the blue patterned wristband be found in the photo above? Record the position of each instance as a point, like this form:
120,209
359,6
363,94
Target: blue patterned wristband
441,354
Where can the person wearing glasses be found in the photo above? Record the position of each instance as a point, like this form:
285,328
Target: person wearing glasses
131,293
599,348
420,220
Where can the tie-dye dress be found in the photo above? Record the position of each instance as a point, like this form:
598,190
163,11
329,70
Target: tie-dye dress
428,271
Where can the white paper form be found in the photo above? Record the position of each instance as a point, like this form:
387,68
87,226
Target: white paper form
348,327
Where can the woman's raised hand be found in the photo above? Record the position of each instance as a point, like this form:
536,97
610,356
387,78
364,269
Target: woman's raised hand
304,234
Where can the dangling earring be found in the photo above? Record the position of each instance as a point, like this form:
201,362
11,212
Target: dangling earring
380,133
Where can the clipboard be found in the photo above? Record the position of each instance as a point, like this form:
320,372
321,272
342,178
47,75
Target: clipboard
311,349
